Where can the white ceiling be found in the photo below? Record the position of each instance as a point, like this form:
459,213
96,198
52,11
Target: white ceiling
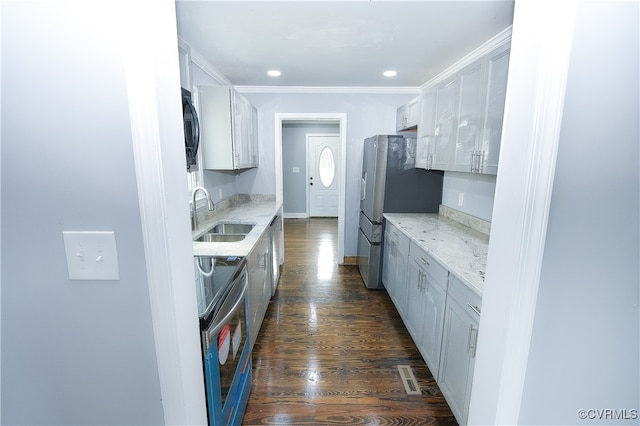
337,43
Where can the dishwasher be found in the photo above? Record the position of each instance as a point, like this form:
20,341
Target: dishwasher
222,284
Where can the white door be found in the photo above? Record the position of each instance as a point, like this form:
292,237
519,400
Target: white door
323,172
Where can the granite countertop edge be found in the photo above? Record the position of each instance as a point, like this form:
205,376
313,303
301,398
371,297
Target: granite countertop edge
458,248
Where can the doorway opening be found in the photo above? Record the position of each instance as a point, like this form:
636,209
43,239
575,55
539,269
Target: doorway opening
297,181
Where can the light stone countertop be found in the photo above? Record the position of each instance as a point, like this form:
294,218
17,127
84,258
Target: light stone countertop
458,248
254,209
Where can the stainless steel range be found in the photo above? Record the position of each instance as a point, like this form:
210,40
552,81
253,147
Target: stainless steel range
222,307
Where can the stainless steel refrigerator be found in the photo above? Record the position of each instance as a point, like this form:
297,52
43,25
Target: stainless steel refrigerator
390,184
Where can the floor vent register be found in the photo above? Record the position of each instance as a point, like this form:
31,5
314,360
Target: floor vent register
411,385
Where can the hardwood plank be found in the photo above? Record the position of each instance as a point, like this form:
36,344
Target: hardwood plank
328,348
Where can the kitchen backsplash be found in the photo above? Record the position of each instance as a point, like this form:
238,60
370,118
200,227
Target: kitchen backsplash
472,222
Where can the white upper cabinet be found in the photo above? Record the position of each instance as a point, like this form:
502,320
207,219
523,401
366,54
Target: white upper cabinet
407,115
497,69
228,129
469,120
245,126
424,147
460,124
444,126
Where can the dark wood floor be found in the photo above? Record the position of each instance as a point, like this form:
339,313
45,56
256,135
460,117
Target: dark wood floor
328,348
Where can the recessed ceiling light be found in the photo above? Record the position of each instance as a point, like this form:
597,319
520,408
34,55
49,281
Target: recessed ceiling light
274,73
390,73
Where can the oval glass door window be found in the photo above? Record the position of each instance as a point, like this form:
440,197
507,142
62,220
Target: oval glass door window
326,167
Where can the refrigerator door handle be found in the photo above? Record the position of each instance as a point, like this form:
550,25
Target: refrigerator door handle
363,187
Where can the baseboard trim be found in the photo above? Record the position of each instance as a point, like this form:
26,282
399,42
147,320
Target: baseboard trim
350,260
295,215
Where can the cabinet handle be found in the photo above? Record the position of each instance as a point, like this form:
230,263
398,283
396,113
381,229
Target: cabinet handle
424,261
477,159
475,308
472,341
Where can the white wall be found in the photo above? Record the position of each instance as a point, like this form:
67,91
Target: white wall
73,352
477,193
367,115
585,345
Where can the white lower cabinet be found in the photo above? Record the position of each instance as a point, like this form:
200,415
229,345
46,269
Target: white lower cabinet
433,318
258,263
462,314
425,308
394,266
440,312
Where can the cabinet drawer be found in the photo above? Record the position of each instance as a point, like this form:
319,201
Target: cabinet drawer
398,237
470,301
429,264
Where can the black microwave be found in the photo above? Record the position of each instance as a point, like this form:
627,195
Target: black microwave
191,130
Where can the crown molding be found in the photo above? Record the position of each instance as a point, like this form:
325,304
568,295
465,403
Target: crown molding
375,90
502,37
199,60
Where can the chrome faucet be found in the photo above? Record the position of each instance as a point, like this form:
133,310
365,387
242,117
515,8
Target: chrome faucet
194,220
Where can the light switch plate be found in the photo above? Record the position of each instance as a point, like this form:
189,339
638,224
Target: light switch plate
91,255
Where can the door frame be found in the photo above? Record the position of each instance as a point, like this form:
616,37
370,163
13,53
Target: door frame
307,192
341,118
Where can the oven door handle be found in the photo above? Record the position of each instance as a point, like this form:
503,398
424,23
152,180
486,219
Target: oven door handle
215,328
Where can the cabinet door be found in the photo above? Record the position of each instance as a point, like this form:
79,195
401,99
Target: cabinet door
407,115
255,295
470,117
444,136
241,118
253,137
259,285
424,149
413,317
497,68
400,279
457,358
216,127
432,324
401,118
413,112
389,264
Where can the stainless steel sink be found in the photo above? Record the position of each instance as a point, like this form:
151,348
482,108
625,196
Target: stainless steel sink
226,233
231,228
221,238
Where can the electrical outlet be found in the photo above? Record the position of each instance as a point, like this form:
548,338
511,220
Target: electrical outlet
91,255
460,199
219,194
